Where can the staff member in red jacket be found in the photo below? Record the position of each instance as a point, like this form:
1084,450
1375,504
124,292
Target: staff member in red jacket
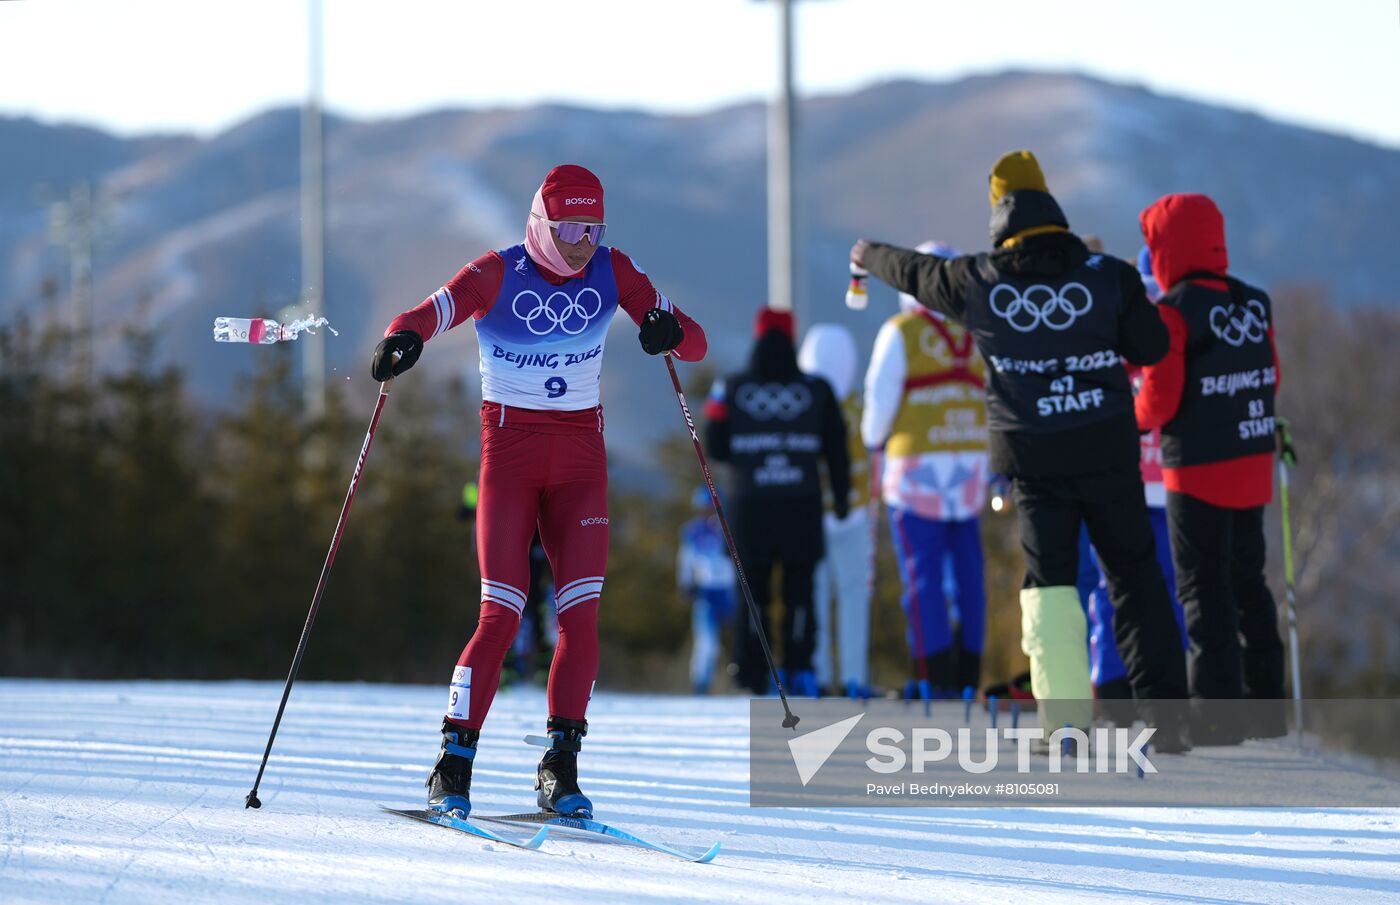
1213,398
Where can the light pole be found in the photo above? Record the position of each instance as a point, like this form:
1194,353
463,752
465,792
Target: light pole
77,225
782,271
313,209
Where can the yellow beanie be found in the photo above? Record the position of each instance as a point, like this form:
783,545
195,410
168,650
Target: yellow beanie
1013,172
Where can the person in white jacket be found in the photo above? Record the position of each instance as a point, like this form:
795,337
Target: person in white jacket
925,405
829,351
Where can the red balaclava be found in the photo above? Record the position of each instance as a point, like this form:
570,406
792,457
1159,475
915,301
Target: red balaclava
568,192
1185,232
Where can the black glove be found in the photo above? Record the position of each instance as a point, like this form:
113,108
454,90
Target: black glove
406,344
660,332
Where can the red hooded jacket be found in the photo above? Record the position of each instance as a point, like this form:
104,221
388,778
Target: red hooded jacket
1186,233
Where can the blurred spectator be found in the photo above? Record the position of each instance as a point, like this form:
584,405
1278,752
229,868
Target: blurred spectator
829,351
1213,397
705,575
774,425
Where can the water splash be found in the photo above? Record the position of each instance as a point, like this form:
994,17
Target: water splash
308,325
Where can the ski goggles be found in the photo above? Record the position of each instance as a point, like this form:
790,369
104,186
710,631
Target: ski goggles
573,231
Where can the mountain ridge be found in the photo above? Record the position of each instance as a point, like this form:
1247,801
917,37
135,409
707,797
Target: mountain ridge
201,227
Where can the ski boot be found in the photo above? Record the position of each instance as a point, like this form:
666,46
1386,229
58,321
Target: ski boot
556,781
450,783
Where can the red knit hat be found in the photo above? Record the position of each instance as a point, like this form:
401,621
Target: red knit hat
773,319
571,191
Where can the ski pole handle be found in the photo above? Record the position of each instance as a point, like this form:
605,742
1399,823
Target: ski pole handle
1283,442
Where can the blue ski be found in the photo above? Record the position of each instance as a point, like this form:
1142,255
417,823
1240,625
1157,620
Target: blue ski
594,826
453,822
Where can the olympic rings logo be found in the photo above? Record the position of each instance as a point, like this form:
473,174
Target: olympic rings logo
766,401
1238,325
1041,304
560,311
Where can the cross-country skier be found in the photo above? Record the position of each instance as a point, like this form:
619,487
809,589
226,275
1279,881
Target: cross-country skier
1052,321
542,310
925,404
1213,397
829,352
705,574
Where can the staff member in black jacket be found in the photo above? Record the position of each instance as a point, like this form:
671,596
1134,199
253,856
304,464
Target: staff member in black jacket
772,423
1052,320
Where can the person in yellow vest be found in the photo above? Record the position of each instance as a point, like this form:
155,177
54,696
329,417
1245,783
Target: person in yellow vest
829,351
925,404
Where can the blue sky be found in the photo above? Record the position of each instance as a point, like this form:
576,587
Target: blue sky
144,65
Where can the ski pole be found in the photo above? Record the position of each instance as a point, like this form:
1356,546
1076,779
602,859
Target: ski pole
252,800
1287,458
791,719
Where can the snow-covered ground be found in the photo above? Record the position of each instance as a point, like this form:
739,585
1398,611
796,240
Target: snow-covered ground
133,792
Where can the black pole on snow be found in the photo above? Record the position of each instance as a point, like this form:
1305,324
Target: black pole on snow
252,800
791,719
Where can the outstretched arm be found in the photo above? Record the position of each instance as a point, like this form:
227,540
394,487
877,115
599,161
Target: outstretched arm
469,294
937,283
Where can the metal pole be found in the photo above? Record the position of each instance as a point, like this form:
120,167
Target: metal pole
781,127
313,264
81,263
72,224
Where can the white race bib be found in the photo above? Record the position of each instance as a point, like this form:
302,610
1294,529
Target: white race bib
459,698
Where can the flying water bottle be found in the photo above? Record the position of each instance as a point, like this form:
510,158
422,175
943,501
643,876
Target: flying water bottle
263,330
856,297
246,330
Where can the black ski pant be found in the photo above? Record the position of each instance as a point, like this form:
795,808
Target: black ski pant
786,533
1231,617
1113,507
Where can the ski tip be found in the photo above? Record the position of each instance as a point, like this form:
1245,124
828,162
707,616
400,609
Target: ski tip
536,840
710,855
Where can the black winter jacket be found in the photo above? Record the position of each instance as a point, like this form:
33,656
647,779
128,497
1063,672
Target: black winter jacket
772,425
945,285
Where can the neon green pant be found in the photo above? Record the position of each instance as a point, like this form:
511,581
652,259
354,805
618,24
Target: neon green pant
1054,634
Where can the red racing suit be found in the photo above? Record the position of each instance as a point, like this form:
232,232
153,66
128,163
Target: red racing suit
542,456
